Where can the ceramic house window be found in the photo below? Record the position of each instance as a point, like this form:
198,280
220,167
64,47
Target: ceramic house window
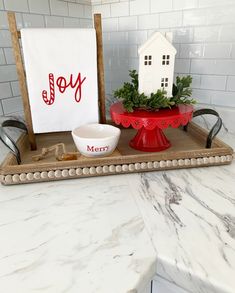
165,59
147,60
164,82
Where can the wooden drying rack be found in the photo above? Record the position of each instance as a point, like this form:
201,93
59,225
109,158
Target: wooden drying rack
15,36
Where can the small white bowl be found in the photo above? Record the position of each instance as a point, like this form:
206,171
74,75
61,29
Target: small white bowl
96,140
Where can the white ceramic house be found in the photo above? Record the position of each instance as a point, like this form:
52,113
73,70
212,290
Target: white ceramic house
156,64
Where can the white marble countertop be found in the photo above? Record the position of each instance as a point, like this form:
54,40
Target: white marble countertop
114,233
73,236
190,217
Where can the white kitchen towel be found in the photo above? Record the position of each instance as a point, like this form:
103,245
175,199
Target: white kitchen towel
61,72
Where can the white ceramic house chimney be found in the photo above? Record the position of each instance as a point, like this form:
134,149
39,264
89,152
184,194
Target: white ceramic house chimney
156,64
169,37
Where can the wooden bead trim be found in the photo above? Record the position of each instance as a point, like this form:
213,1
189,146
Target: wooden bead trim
111,169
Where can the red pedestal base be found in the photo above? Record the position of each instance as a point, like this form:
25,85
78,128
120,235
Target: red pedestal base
150,137
150,140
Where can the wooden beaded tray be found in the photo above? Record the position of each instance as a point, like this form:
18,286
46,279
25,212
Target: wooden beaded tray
187,151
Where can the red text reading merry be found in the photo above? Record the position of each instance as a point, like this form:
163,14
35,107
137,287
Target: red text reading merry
62,85
97,149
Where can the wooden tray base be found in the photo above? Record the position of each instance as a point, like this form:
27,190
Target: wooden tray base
187,151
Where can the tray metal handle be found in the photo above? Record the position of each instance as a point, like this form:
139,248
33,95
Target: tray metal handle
214,130
7,140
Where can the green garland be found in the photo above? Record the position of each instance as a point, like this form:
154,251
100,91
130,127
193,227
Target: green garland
132,99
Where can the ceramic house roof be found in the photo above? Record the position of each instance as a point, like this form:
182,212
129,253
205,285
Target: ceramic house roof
157,37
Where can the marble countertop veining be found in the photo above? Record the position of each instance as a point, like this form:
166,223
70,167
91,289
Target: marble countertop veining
73,236
190,217
114,233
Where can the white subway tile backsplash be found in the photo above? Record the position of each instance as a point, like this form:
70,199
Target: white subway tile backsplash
182,35
191,50
127,23
115,85
1,4
71,22
108,90
177,47
161,6
171,19
33,20
40,7
227,33
108,50
86,23
233,51
133,51
223,98
54,21
182,65
206,34
138,7
59,8
213,82
217,51
120,75
106,38
7,73
12,105
3,20
76,10
82,1
231,83
15,88
194,17
213,3
202,96
107,66
19,20
117,38
5,38
1,109
119,65
105,10
110,24
152,31
5,90
121,51
137,37
120,9
96,2
203,66
87,11
148,21
108,76
16,5
9,56
196,79
185,4
220,15
218,67
134,63
196,82
2,57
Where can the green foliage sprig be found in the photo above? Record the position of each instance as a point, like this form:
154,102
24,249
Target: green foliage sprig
132,99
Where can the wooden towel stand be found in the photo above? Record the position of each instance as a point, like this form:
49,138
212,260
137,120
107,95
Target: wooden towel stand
15,36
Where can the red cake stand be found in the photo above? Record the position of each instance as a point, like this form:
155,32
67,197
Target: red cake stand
150,137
